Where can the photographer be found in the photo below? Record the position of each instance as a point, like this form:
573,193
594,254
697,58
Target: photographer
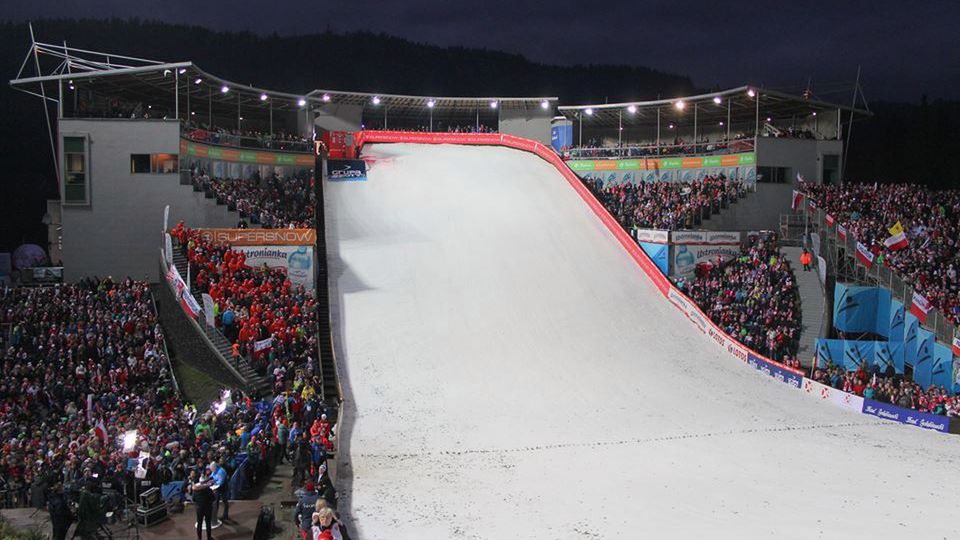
59,512
90,512
203,499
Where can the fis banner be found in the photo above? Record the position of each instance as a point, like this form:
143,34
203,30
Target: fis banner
851,402
906,416
346,170
295,261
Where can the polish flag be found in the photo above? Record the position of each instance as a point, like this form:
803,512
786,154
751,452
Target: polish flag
956,346
797,199
864,255
100,431
829,220
897,242
841,231
811,205
920,306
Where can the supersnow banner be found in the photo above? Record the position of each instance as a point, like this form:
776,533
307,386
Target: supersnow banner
864,255
686,257
346,169
295,261
920,307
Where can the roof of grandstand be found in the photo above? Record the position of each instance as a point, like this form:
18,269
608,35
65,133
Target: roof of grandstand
64,68
739,103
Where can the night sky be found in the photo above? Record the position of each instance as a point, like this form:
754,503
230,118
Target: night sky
906,49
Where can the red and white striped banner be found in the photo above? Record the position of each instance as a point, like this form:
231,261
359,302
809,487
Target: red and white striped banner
956,346
797,199
841,231
864,255
829,219
897,242
920,306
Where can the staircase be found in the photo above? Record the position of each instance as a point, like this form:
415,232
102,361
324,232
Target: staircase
759,211
251,378
812,303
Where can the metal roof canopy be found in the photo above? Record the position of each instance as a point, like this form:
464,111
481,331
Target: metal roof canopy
741,106
154,82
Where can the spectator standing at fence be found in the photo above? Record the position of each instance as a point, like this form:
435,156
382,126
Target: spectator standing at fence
220,485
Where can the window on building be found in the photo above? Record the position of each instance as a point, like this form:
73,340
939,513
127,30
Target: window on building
153,163
75,177
140,163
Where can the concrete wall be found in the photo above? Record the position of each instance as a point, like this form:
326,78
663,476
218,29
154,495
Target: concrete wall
339,117
119,232
531,123
799,155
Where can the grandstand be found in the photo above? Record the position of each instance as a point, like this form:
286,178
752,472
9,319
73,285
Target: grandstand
429,302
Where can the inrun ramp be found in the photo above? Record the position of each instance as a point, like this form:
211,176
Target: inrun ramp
510,372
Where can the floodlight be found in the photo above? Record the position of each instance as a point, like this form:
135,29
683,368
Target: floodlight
431,103
751,92
166,72
588,112
814,113
224,89
301,102
326,97
183,70
769,119
198,81
545,104
680,105
376,100
632,109
493,104
263,97
129,440
721,122
717,100
671,126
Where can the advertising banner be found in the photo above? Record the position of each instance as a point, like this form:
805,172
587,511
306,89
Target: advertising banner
851,402
659,254
295,261
260,237
906,416
168,249
219,153
778,372
729,238
561,136
653,236
686,257
339,170
688,237
180,291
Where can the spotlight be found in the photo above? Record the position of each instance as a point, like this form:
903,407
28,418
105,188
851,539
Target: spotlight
129,440
751,92
198,80
182,71
493,104
263,97
224,89
814,113
241,119
544,104
769,119
376,100
632,109
717,100
431,103
326,97
193,113
671,126
301,102
589,112
721,122
680,105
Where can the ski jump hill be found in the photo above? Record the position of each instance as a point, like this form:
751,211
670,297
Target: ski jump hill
514,366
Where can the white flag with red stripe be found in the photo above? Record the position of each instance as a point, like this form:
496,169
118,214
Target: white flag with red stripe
797,199
841,231
956,346
263,344
864,255
920,306
897,242
829,220
100,431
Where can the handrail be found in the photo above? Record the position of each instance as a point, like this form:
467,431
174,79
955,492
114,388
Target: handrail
733,146
245,141
166,352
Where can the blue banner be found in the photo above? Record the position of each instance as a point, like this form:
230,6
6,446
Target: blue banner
774,371
659,253
855,308
923,364
896,328
561,136
829,351
858,353
881,323
906,416
346,169
942,372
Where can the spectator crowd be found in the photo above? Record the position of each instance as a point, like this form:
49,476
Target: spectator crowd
273,203
888,387
666,205
753,298
277,140
931,221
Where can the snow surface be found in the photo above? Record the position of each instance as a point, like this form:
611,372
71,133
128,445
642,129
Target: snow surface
511,373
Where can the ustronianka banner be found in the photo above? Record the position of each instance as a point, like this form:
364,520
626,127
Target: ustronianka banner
906,416
686,257
295,261
346,169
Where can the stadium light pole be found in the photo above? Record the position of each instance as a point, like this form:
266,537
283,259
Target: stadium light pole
210,109
658,130
695,127
176,92
728,119
619,130
238,111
